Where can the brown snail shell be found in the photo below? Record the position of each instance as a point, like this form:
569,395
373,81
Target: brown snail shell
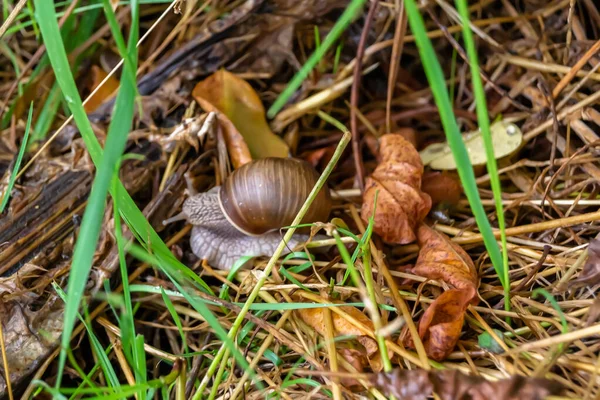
266,195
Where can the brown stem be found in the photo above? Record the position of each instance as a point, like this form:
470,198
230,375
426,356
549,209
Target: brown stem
397,48
360,173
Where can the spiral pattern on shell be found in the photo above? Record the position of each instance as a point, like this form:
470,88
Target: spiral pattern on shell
268,193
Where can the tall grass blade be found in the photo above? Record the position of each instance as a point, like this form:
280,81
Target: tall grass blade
13,175
436,79
340,26
133,217
118,132
484,126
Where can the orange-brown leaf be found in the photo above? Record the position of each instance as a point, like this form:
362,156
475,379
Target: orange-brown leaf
242,115
104,92
401,205
315,317
442,322
441,187
440,258
441,325
409,134
358,361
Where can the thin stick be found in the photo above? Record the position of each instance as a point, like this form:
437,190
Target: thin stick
11,17
262,276
360,173
591,99
575,69
569,31
5,362
333,360
531,228
563,338
397,48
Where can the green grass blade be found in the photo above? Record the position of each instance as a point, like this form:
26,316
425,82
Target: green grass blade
555,305
115,144
176,319
140,227
436,79
198,305
13,175
102,356
126,322
484,126
140,363
340,26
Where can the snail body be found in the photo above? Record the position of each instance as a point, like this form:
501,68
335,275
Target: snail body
243,216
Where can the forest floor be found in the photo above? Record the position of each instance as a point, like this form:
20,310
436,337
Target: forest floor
440,271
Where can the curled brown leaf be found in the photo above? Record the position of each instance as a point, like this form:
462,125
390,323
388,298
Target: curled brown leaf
454,385
358,361
440,259
401,205
442,323
442,187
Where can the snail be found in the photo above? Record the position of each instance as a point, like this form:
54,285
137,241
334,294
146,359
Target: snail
244,215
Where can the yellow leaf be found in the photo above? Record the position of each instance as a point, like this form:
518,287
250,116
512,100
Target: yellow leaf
315,317
237,100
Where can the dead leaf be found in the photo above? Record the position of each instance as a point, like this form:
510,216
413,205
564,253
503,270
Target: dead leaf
442,323
441,187
401,205
358,361
104,92
409,134
242,116
315,317
454,385
590,275
404,384
506,139
440,259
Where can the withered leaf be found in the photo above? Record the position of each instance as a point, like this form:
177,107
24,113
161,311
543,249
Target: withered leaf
440,258
401,205
241,113
104,92
442,322
315,317
404,384
590,275
506,139
441,187
454,385
358,361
